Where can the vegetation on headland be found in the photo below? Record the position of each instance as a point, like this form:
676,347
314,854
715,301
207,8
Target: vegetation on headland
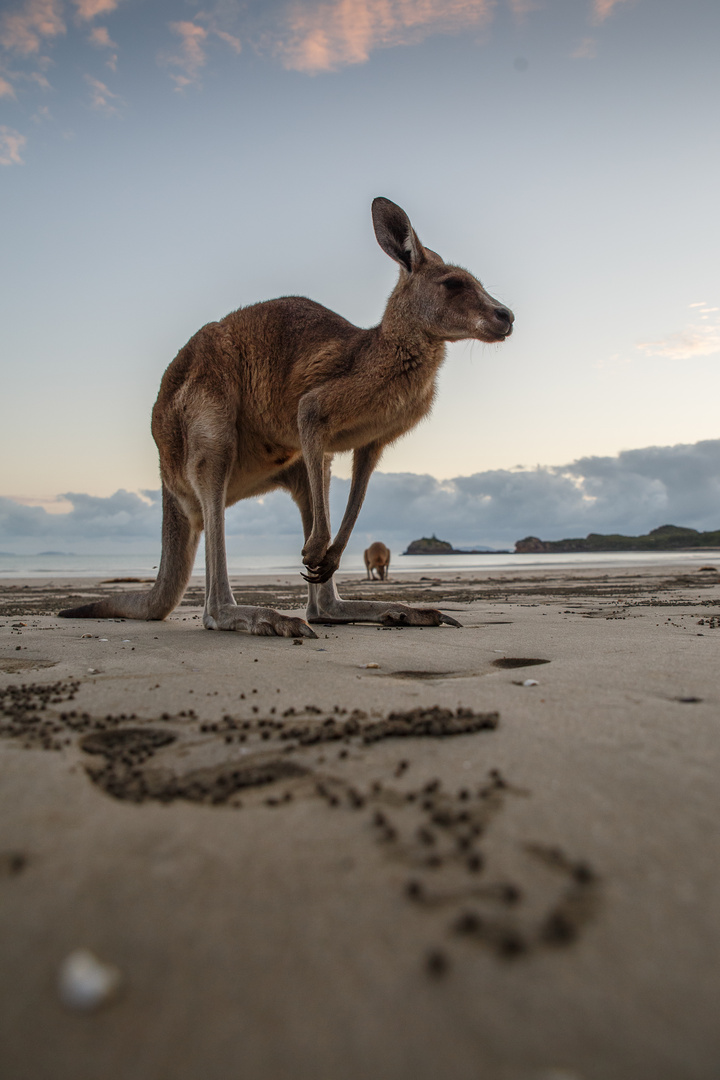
430,545
664,538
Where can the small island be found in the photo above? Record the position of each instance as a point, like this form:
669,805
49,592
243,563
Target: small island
430,545
664,538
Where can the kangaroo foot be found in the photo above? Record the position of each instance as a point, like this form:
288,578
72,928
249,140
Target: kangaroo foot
255,620
332,609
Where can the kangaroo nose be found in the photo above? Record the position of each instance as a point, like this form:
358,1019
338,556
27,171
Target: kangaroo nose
503,314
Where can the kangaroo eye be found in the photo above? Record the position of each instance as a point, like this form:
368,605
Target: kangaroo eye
453,284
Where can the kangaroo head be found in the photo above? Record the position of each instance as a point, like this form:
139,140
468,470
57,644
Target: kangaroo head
443,301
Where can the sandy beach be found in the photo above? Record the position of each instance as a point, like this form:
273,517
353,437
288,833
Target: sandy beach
487,852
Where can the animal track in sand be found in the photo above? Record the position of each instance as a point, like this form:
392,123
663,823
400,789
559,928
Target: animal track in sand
12,863
212,785
130,745
11,665
517,662
468,884
423,674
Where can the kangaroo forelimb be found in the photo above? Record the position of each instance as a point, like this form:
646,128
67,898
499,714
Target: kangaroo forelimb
364,461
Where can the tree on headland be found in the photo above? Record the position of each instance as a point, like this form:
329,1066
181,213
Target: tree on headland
664,538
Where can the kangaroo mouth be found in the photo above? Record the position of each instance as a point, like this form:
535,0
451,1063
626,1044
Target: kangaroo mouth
493,337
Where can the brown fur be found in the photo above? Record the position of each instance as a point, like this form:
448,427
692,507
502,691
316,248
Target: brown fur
263,398
377,559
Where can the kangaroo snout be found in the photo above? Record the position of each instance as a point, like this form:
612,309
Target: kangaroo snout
504,318
495,323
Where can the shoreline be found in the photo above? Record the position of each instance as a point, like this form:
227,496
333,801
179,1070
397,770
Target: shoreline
400,565
404,580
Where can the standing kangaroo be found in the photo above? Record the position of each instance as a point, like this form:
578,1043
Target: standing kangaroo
377,558
264,398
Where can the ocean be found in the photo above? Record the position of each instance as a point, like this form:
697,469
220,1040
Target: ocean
139,565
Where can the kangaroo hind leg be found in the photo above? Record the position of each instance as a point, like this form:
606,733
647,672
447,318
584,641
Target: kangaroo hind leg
221,611
180,539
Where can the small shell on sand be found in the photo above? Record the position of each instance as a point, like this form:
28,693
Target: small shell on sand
85,982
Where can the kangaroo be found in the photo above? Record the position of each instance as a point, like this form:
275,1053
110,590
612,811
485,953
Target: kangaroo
265,397
377,558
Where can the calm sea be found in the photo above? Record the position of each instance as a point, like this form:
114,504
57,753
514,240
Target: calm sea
104,566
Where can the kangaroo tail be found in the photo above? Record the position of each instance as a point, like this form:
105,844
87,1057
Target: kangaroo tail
179,544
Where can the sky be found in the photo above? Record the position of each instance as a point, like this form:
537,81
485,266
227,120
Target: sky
164,163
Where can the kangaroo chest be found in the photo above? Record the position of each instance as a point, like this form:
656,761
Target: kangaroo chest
387,416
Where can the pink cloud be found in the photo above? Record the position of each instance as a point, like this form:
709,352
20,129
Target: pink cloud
6,88
697,340
230,39
100,38
101,97
89,9
602,9
38,78
11,145
23,31
585,50
329,35
191,58
521,8
192,55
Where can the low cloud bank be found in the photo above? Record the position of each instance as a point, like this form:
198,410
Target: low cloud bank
633,492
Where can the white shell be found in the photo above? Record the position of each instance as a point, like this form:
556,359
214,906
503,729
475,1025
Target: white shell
531,682
85,982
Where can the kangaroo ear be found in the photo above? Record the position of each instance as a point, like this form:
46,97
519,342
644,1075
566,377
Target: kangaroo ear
395,234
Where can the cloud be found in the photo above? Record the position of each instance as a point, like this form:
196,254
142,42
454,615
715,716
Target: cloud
100,38
586,49
522,8
602,9
89,9
631,492
118,519
6,88
101,97
22,31
191,58
329,35
698,339
11,145
230,39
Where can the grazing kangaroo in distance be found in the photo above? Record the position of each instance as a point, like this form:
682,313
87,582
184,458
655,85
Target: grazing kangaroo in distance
264,398
377,557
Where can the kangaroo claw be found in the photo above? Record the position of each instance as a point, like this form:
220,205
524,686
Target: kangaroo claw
317,577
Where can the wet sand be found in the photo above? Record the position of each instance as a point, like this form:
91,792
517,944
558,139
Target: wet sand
397,853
